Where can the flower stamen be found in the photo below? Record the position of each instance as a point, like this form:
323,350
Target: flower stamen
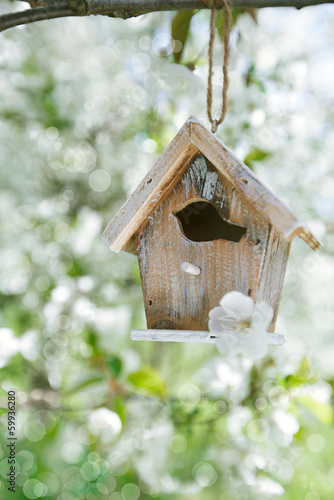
245,324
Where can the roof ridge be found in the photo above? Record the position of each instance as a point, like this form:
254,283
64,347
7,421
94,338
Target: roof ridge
191,139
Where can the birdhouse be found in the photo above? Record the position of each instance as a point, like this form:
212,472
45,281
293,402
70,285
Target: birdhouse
202,224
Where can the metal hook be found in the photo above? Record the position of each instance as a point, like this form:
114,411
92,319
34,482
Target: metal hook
214,126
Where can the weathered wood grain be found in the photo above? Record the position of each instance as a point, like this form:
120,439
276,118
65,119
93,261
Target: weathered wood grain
272,273
274,339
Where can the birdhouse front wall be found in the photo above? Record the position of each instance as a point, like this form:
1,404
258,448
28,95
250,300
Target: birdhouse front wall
205,221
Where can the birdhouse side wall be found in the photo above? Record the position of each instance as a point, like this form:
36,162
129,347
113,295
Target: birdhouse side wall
177,300
273,271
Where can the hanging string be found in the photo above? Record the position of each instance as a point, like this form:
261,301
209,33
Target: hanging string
227,29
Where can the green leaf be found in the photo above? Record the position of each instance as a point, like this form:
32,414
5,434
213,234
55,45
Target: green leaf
78,268
119,408
220,20
303,375
323,412
252,12
115,366
92,339
180,31
255,154
149,381
304,370
252,78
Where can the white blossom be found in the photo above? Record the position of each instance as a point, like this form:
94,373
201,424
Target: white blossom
106,422
9,345
240,325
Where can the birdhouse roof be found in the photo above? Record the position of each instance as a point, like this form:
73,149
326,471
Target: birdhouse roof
193,139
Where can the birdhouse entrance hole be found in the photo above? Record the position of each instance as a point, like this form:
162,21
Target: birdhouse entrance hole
201,222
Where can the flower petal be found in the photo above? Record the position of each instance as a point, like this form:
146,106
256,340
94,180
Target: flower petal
216,312
263,314
229,323
220,321
238,305
255,346
229,345
215,326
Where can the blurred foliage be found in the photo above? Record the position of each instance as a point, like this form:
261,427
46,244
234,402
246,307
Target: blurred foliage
180,30
180,27
149,381
255,154
87,107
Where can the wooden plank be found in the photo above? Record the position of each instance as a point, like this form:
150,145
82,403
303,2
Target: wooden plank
274,339
273,269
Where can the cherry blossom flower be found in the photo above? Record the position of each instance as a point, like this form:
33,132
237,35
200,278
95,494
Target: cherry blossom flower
241,326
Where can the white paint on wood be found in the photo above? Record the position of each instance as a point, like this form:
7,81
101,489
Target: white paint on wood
274,339
190,269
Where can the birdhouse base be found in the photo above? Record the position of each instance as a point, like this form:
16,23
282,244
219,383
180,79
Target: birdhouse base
274,339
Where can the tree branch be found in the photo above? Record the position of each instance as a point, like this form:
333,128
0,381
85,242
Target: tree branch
37,14
51,9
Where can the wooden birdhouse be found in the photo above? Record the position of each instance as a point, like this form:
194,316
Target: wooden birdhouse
202,225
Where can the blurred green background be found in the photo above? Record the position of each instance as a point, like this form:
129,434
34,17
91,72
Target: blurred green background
87,106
